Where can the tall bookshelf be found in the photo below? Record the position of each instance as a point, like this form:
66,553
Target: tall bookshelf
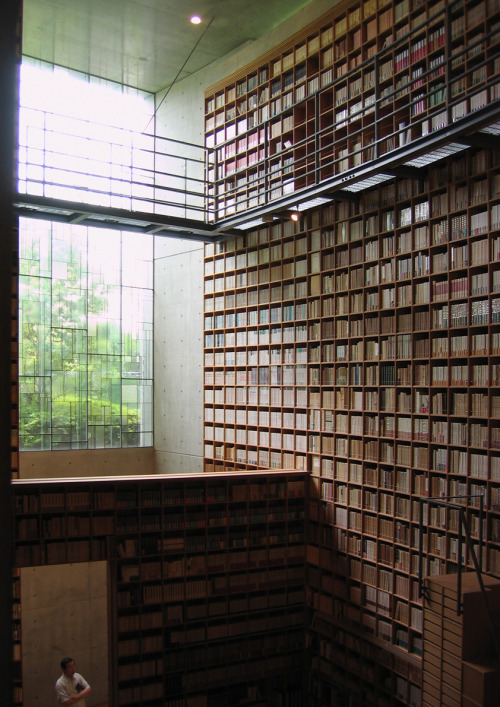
14,467
367,81
207,588
13,412
362,343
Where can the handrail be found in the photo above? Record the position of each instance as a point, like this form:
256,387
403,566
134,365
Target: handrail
385,128
463,528
330,150
82,161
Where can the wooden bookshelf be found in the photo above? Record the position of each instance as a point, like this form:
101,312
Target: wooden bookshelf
207,579
17,639
460,665
363,344
366,81
14,469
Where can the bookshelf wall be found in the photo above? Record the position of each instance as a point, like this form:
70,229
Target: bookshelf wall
207,580
363,344
14,467
16,639
12,410
368,80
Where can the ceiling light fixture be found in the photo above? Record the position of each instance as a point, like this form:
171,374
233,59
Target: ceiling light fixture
195,20
493,129
294,215
445,151
250,224
315,201
368,182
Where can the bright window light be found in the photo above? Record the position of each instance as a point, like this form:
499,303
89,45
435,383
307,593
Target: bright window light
85,294
68,93
81,139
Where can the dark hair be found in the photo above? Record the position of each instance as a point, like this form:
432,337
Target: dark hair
65,662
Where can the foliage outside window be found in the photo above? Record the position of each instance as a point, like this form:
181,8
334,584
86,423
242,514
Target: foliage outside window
85,295
85,337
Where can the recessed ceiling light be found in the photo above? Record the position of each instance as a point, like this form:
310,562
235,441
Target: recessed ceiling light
493,129
441,152
250,224
368,182
195,20
316,201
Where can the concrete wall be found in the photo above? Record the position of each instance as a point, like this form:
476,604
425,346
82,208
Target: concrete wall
178,356
65,613
181,115
178,324
81,463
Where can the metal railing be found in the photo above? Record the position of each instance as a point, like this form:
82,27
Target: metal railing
79,161
386,124
464,542
332,146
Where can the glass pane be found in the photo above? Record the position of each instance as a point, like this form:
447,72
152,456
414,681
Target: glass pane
85,341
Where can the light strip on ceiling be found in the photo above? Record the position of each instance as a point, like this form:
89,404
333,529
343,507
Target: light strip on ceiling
250,224
45,209
493,129
436,155
311,203
368,182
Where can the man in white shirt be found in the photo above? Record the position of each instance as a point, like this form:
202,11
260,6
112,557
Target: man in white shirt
71,688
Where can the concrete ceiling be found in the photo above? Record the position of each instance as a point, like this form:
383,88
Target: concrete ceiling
144,43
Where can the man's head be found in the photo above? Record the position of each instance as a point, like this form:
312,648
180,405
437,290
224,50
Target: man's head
68,667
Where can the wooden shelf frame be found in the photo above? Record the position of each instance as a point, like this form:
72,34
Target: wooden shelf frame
363,344
326,105
207,589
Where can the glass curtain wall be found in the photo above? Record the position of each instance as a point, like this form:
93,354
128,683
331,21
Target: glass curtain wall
85,294
85,337
82,139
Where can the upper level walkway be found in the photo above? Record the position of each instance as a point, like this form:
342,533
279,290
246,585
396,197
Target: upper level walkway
145,183
156,188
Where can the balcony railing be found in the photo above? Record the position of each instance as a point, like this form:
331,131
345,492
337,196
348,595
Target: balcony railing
82,162
393,109
332,148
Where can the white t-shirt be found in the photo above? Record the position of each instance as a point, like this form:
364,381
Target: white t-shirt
65,687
